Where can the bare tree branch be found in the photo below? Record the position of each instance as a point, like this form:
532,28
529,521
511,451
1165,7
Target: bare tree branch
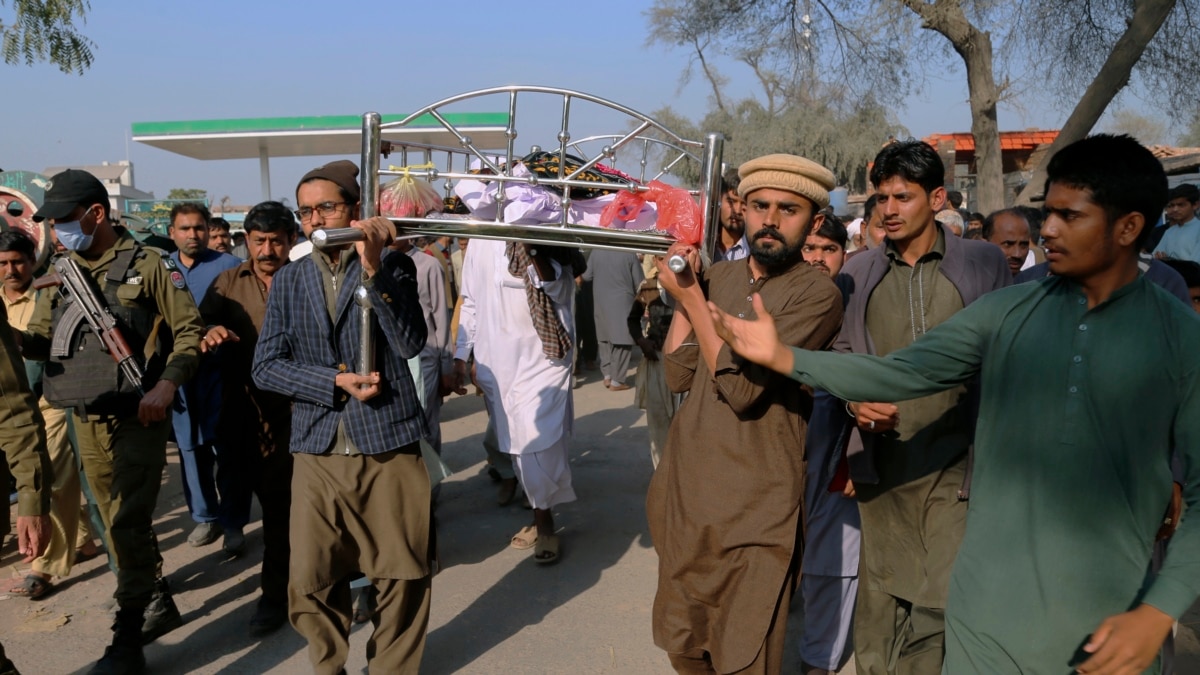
1148,17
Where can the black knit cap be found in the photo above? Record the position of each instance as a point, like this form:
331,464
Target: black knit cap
342,173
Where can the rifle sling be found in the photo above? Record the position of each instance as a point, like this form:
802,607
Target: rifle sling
120,268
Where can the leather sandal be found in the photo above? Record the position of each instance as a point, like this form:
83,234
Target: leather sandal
526,539
32,587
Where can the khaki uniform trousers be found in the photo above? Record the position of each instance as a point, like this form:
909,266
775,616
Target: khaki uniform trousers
69,520
124,462
369,514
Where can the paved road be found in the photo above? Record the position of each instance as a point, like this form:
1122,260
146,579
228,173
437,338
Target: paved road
493,611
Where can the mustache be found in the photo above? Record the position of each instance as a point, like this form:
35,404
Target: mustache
266,258
767,234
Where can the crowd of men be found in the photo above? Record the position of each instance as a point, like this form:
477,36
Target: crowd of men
966,440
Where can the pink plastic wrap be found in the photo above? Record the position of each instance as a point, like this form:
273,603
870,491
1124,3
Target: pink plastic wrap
407,197
678,214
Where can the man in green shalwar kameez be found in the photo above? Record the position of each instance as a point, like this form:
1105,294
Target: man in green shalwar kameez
1089,378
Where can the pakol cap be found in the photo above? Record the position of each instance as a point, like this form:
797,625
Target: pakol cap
69,190
787,172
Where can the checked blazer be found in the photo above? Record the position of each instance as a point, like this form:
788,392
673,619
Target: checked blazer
300,352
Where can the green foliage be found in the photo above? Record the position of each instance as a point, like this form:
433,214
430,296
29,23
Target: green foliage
45,30
843,139
187,193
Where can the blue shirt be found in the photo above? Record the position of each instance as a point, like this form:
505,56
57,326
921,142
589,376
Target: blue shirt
736,252
1181,242
198,401
205,268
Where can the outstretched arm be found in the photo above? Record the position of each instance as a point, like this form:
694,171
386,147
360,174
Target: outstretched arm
946,356
756,339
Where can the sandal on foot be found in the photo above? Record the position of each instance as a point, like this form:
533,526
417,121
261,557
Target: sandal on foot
83,554
546,551
33,587
526,539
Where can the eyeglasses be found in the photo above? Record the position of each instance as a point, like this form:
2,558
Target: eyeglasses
326,209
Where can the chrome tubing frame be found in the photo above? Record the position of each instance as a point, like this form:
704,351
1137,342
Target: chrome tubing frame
564,233
370,172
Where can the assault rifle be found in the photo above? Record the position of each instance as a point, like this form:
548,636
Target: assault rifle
87,306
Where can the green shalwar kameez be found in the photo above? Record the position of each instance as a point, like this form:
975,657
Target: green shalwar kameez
1079,411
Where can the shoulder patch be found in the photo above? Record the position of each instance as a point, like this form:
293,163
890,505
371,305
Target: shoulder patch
177,279
169,263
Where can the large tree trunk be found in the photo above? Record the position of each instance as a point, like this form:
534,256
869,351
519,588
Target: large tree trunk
1148,17
975,48
981,83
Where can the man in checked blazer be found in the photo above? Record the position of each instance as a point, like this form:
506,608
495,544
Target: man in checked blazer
360,491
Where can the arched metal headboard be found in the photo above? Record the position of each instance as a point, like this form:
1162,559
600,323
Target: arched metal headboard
644,134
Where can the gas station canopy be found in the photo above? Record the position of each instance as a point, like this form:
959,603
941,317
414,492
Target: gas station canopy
252,138
265,137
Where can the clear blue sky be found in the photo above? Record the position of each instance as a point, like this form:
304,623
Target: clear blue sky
160,61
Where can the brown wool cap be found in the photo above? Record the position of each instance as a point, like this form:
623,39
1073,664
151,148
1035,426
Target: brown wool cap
342,173
787,172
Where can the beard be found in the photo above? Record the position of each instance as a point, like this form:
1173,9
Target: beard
776,258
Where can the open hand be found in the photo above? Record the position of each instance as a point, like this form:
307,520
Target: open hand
215,336
755,340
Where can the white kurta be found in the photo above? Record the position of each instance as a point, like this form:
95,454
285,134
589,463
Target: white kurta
536,410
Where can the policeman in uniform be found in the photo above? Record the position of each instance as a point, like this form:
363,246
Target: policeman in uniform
122,434
23,437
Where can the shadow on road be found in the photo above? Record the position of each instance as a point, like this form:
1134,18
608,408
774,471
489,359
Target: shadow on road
596,531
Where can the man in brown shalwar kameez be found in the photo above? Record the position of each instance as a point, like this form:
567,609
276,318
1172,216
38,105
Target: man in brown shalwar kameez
725,504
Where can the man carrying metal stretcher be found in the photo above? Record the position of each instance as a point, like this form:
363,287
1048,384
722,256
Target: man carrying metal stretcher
360,490
122,432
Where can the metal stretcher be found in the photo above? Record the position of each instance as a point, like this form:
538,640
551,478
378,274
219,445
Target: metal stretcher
646,139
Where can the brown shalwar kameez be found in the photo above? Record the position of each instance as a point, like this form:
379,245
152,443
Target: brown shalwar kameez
725,503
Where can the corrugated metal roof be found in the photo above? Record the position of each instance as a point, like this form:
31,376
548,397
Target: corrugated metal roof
1009,140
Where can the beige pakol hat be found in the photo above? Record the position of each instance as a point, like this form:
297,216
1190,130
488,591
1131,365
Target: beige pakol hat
787,172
